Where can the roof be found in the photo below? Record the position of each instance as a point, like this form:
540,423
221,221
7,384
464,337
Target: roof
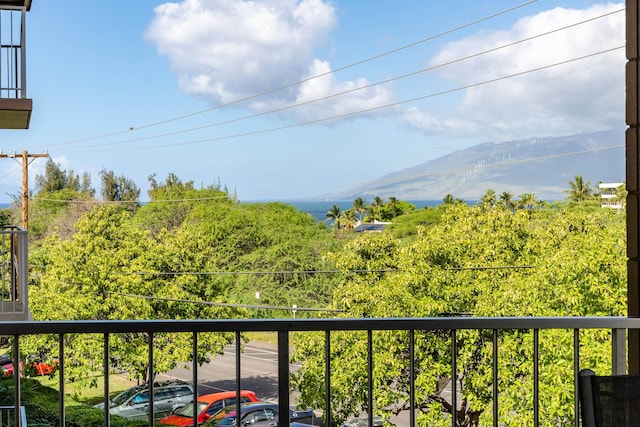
371,226
214,397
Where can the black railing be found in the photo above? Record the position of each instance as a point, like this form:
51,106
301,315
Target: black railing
13,82
451,326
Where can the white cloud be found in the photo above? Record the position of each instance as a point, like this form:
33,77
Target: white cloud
584,95
226,50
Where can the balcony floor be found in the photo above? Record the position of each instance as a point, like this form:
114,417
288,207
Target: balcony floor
15,113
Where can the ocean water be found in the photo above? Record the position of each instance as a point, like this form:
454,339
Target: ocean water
319,209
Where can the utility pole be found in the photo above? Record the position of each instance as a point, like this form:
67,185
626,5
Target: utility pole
25,181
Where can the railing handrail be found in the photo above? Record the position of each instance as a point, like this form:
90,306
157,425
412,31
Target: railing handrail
334,324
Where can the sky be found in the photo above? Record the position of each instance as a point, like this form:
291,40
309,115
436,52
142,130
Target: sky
302,99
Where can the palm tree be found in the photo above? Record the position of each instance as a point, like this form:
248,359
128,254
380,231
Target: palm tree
333,214
527,201
506,200
621,195
489,199
348,219
448,199
378,203
580,190
360,206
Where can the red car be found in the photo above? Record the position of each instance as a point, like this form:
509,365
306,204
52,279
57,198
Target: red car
208,406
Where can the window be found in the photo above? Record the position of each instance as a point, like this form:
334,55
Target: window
214,408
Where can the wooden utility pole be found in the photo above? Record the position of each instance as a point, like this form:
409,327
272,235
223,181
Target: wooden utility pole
25,181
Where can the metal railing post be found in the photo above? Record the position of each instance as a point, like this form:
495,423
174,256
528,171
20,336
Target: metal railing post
618,351
283,378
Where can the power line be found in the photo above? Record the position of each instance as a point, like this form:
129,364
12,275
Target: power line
310,272
368,110
381,82
224,304
286,86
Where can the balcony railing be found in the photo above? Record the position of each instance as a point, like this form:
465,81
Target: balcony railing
15,107
14,269
618,326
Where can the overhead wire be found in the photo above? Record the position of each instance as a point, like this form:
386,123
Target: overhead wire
299,82
359,88
367,110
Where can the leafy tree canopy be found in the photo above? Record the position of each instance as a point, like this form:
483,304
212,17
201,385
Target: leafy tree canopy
474,262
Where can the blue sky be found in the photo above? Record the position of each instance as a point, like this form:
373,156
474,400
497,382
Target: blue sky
152,87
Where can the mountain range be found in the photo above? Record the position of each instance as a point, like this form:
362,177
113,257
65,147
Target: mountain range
542,166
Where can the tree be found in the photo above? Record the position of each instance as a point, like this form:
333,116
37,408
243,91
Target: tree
506,200
448,199
526,201
119,189
621,195
489,199
333,214
377,205
437,274
360,206
348,219
580,190
56,179
98,275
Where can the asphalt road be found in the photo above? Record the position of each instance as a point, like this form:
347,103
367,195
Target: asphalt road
258,368
259,372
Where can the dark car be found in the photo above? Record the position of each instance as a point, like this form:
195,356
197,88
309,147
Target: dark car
260,414
133,403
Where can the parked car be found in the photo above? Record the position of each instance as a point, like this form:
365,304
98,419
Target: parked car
260,414
208,405
133,403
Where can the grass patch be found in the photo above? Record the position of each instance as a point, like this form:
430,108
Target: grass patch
76,394
268,337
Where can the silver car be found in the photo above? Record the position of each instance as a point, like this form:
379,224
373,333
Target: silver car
134,402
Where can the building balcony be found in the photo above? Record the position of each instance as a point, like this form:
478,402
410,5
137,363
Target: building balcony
413,330
15,107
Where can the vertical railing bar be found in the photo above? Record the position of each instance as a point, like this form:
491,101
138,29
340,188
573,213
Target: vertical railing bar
494,376
151,381
194,376
618,352
23,250
370,377
238,371
283,378
13,52
327,377
61,378
576,372
16,378
107,400
412,379
536,378
23,53
454,375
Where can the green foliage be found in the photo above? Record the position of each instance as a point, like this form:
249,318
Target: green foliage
119,188
186,255
408,224
477,262
41,406
56,179
102,274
